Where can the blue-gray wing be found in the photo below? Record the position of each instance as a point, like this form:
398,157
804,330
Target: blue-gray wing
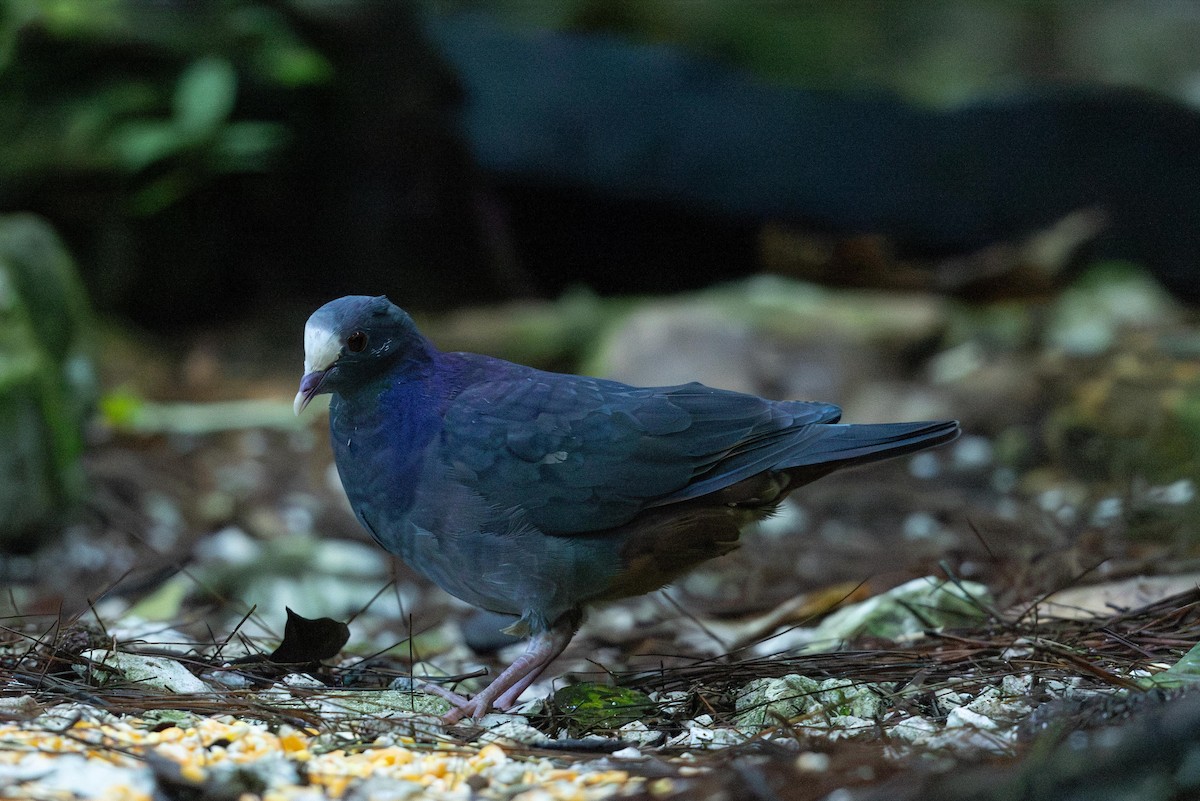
580,454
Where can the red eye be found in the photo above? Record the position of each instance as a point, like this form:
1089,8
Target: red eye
356,342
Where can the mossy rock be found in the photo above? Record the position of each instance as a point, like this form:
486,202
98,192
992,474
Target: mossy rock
765,702
1129,425
46,380
1142,422
588,707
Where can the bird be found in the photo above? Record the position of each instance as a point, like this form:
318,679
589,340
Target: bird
536,494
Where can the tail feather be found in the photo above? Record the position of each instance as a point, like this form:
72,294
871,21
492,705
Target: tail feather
807,452
843,445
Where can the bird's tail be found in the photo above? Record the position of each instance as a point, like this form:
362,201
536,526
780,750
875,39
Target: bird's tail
858,443
832,447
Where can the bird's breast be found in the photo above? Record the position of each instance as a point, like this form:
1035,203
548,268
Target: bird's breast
380,451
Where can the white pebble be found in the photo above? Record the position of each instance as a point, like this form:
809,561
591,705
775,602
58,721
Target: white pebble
302,680
1052,499
813,762
626,753
973,452
957,363
231,546
921,526
962,717
1176,494
1107,510
925,465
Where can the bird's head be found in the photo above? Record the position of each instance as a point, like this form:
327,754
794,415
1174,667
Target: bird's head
349,341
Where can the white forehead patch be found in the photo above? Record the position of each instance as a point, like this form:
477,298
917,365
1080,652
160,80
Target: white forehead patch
321,348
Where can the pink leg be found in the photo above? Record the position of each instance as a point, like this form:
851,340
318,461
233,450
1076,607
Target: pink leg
510,696
543,648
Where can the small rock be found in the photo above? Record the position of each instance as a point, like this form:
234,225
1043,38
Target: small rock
131,630
302,680
21,707
1107,511
382,702
1177,493
156,672
921,526
763,701
913,730
964,717
813,762
229,547
626,753
230,679
639,733
513,732
670,702
705,346
972,453
925,465
703,736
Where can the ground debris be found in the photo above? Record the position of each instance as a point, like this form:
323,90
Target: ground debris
955,695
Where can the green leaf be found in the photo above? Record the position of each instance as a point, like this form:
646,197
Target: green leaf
1184,673
121,408
162,193
589,706
205,96
247,146
138,144
294,65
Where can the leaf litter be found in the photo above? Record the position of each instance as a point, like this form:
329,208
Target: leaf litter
74,692
196,542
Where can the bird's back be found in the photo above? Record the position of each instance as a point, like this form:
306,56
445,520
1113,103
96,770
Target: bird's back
579,454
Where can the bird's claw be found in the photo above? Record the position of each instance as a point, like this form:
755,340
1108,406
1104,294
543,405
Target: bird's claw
461,706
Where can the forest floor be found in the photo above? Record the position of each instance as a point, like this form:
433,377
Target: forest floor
1004,612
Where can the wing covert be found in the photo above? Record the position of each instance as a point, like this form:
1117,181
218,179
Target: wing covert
583,454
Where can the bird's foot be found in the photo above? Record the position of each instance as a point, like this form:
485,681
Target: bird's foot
460,706
474,708
514,680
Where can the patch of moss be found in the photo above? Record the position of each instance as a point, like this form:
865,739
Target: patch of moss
589,707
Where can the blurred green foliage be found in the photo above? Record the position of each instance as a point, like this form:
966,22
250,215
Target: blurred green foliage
152,91
46,379
201,154
198,154
141,94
